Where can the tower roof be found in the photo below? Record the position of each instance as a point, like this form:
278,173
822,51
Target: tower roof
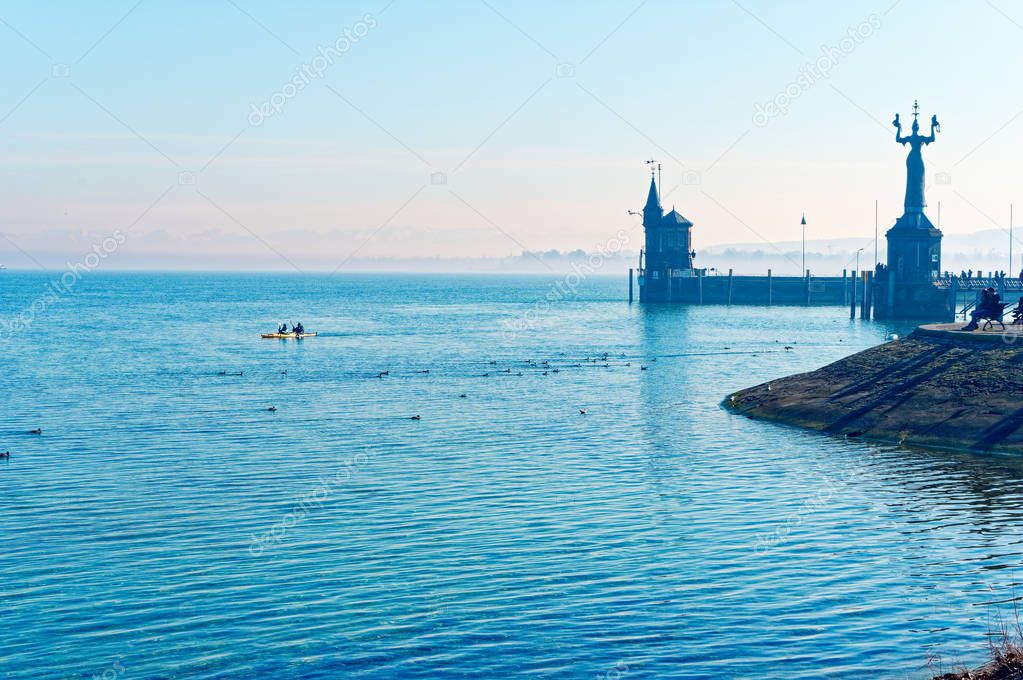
652,200
675,217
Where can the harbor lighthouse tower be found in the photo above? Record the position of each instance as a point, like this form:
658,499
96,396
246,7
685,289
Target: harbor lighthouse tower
668,253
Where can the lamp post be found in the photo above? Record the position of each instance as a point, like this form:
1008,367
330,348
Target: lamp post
802,223
858,260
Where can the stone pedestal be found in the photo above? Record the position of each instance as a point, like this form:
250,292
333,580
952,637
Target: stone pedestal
914,263
914,249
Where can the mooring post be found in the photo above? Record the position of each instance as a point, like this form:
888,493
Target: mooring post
769,284
864,304
630,285
729,286
702,274
890,302
868,301
852,299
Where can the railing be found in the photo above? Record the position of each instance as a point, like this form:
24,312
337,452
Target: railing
979,283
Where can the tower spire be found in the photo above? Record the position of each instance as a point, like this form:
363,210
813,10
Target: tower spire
653,201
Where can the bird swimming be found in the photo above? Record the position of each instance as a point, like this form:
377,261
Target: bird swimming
416,417
38,430
583,411
272,409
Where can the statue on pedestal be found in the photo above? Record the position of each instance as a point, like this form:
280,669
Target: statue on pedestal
914,162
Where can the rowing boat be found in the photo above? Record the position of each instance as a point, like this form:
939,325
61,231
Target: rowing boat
286,336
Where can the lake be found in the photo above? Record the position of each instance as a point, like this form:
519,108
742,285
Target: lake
167,524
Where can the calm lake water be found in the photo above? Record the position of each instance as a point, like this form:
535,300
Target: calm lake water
168,525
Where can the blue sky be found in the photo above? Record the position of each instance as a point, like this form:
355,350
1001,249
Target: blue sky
539,115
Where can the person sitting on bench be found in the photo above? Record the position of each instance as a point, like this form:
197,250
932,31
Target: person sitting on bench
1017,313
990,303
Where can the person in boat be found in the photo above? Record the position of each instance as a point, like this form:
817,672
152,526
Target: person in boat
298,328
283,328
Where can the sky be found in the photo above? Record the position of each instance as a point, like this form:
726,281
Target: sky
235,133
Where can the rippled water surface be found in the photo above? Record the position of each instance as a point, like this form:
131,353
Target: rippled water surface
167,524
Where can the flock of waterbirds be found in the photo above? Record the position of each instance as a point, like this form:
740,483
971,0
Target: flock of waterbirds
545,367
548,367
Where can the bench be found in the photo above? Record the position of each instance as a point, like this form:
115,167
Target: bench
993,316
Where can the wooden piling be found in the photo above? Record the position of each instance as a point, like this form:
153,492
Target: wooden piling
890,302
868,297
729,286
864,285
769,285
806,286
630,285
854,296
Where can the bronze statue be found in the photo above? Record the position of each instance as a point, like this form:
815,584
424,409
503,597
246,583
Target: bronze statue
914,162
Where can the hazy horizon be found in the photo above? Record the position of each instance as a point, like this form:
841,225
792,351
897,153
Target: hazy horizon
982,250
211,135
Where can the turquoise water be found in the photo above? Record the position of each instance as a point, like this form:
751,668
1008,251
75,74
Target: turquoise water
167,524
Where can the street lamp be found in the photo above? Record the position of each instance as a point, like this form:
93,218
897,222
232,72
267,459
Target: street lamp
858,259
803,224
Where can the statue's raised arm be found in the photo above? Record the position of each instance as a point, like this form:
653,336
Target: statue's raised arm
898,130
935,127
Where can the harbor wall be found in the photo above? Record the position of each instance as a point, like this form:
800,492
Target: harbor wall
752,290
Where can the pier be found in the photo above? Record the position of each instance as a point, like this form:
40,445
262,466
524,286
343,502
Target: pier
909,285
697,287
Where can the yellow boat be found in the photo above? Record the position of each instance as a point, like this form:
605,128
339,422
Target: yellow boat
286,336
